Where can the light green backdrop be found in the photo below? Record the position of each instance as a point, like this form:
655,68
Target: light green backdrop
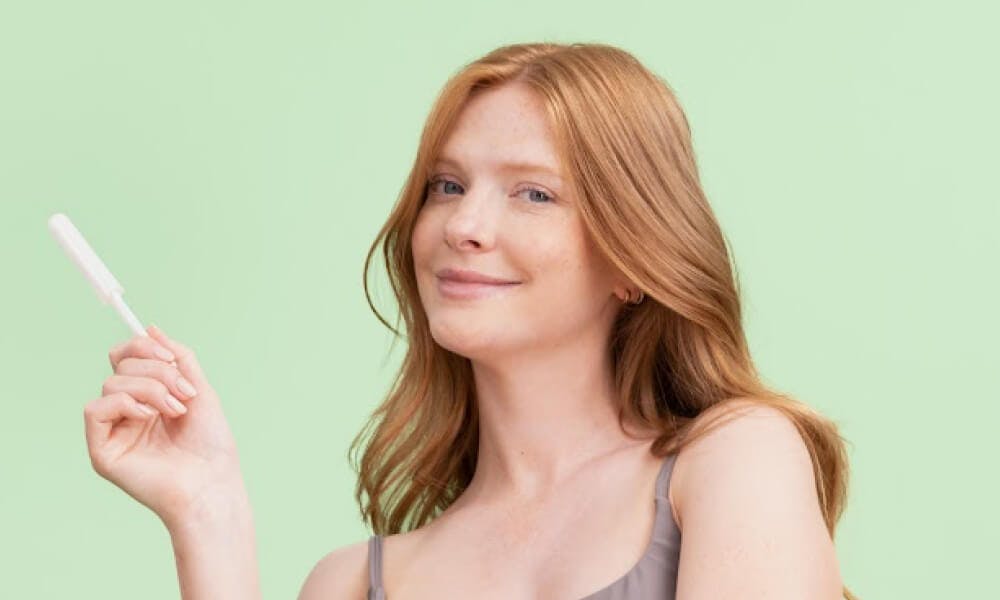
232,161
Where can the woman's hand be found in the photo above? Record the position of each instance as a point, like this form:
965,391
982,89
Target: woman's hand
180,460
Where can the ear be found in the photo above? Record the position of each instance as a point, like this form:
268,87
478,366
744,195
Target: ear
619,284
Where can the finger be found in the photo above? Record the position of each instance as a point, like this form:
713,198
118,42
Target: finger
100,415
140,346
146,390
187,362
166,374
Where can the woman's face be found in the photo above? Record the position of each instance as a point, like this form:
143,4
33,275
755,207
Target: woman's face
512,222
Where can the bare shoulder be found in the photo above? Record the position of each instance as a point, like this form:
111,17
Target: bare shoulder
341,573
753,439
745,496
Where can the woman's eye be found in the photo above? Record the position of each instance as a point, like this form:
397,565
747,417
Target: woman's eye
444,181
540,197
537,197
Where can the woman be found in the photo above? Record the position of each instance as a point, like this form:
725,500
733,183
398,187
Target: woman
577,414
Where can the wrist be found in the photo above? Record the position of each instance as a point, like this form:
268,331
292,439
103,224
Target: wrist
215,549
223,507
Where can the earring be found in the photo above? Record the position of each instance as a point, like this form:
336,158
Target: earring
639,298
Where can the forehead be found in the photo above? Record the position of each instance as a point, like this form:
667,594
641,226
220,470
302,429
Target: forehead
505,128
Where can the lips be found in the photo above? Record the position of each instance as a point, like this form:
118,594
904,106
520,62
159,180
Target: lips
466,285
469,276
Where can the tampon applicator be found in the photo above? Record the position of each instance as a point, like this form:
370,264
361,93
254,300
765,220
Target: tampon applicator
109,291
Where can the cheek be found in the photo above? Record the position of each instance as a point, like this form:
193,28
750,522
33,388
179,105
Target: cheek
574,291
565,266
425,246
421,240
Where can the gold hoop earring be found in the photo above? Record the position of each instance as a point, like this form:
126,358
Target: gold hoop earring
639,298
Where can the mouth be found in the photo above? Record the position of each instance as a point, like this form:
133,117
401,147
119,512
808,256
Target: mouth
464,290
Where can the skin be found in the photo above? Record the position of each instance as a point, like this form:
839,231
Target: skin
561,503
549,435
538,350
181,464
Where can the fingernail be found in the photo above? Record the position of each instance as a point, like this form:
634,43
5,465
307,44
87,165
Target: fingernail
146,409
185,386
163,353
176,404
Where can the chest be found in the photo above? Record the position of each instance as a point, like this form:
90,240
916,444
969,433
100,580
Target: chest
565,552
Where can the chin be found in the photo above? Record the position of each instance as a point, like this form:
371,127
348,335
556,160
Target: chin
467,336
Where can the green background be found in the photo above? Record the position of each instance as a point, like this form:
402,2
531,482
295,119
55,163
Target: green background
232,161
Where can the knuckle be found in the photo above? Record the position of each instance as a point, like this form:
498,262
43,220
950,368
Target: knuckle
135,344
123,349
150,345
163,373
125,365
115,354
157,389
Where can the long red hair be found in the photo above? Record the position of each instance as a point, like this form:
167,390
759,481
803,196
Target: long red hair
680,357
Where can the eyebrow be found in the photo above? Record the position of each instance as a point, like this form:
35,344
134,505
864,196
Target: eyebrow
509,166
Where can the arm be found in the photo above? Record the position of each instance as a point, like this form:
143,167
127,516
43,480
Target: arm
752,525
215,551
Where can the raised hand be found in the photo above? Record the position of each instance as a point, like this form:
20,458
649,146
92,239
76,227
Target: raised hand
159,433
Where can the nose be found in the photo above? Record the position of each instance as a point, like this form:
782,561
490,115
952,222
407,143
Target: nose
473,221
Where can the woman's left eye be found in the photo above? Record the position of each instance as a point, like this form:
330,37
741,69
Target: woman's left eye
539,196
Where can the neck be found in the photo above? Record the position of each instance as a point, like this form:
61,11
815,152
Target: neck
542,416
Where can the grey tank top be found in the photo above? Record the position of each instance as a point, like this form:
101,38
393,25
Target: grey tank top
653,577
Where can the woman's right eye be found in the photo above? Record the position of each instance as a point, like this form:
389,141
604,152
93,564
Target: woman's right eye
432,185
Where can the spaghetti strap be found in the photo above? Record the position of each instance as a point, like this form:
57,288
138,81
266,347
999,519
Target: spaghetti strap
654,575
663,479
375,591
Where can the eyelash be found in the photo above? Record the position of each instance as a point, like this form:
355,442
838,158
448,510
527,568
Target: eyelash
437,180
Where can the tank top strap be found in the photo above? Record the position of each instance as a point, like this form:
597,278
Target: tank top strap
663,479
375,591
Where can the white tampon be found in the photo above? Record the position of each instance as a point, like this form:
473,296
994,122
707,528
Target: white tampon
107,287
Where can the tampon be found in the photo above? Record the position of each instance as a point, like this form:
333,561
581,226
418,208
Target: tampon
109,291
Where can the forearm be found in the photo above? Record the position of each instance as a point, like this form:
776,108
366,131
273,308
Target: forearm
216,552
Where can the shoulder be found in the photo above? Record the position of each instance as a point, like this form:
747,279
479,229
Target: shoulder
752,443
341,573
745,497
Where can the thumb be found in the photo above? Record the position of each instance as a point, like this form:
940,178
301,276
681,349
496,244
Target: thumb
186,361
